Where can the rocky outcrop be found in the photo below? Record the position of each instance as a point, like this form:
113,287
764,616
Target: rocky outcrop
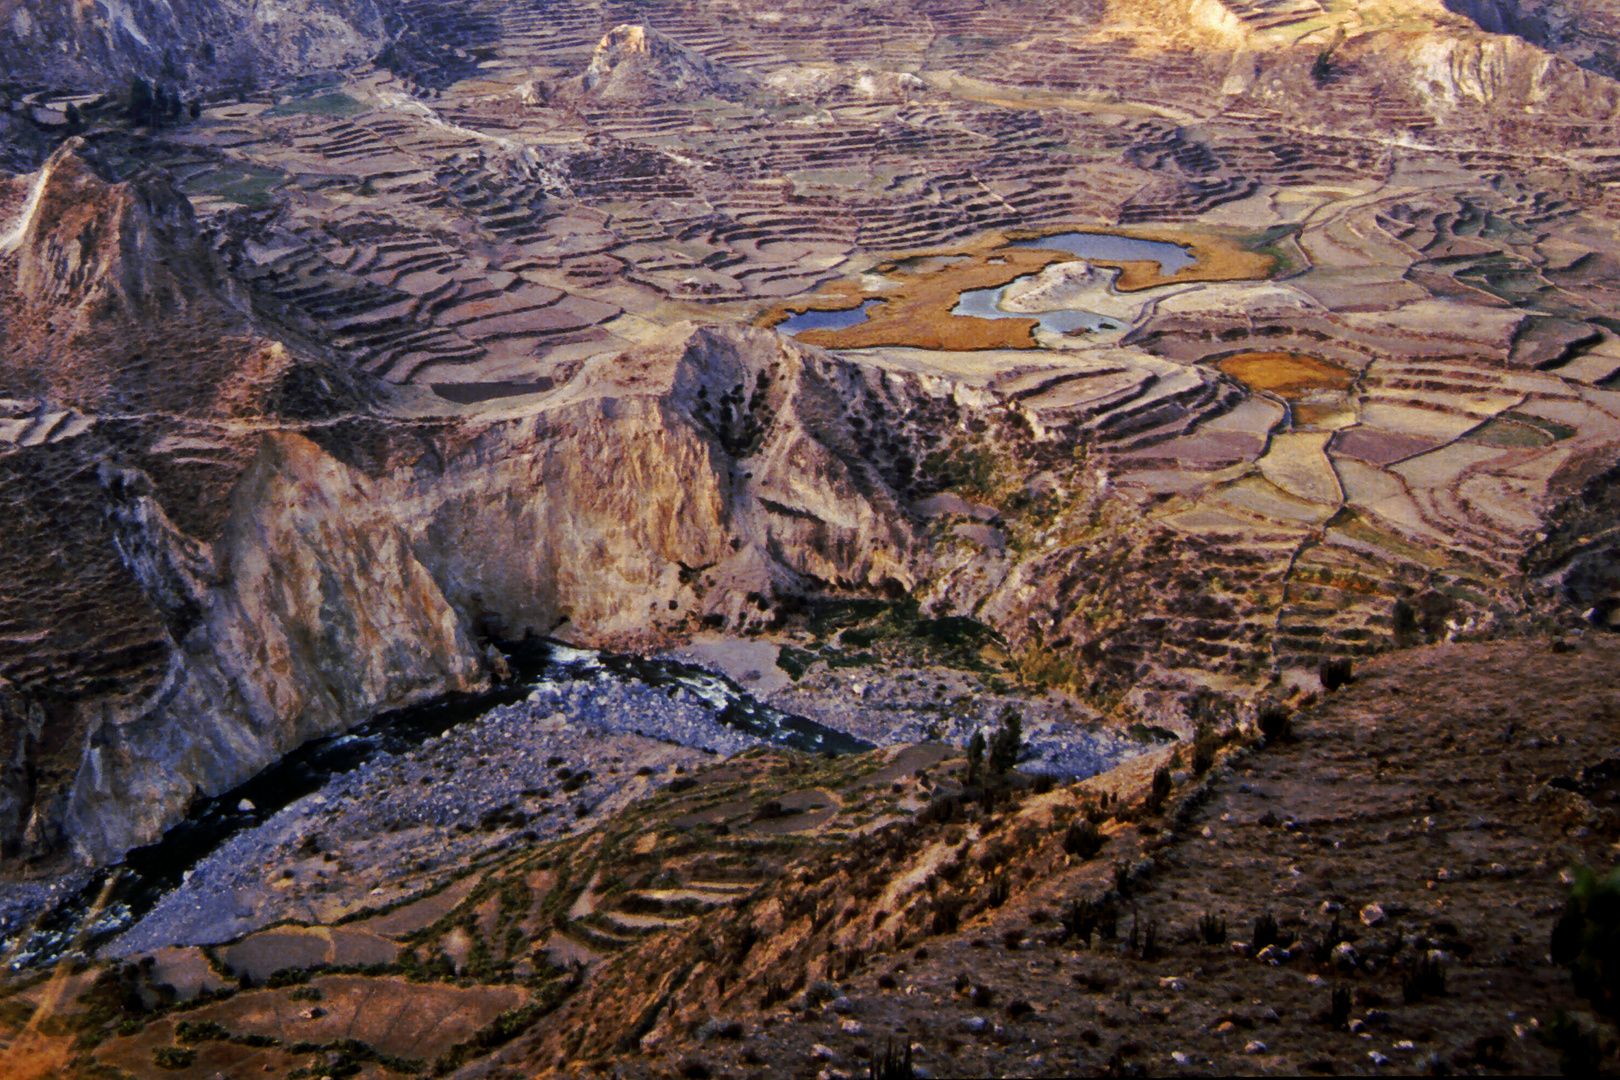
1504,72
99,45
1580,31
91,251
121,305
634,62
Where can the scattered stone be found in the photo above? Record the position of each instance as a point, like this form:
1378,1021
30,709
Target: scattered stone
1254,1046
1373,914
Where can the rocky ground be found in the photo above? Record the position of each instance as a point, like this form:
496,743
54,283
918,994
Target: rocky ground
1372,890
1404,823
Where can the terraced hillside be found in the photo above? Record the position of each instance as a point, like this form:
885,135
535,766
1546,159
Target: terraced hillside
1124,367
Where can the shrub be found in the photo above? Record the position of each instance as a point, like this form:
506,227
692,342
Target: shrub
1212,929
173,1057
975,757
1404,619
1335,673
1007,743
1339,1007
1203,755
1160,790
891,1064
1000,892
1084,917
1330,940
820,991
1265,931
1275,722
1082,839
1144,939
1427,979
1580,1050
197,1031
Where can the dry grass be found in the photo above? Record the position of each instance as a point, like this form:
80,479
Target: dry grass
1287,374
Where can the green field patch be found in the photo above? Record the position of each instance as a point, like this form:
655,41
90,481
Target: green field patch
237,182
335,105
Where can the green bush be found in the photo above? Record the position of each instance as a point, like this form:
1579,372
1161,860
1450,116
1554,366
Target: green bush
197,1031
173,1057
1082,839
1586,939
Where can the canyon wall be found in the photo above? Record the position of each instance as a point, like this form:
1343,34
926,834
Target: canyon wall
276,579
99,44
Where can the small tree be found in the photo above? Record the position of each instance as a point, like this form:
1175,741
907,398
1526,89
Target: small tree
1586,939
975,756
1160,791
140,102
1009,740
75,119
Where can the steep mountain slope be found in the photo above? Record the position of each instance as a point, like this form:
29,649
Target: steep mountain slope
98,44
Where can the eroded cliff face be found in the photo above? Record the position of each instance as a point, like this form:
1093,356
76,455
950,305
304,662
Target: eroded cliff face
702,479
278,579
1583,32
98,44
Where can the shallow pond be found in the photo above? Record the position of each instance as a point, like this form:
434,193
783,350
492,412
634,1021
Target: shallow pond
986,304
825,320
1111,247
